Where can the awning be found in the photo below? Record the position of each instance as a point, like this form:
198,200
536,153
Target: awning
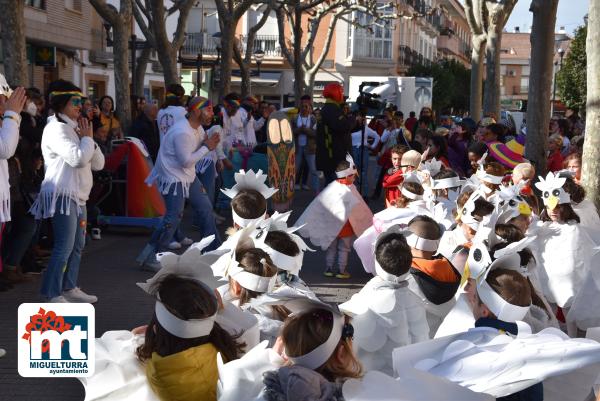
270,79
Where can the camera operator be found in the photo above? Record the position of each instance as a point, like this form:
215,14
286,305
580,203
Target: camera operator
334,140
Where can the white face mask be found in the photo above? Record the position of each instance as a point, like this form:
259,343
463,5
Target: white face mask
31,109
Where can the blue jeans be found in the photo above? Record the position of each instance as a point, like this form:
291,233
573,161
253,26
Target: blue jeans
175,203
69,240
363,177
311,163
23,228
207,178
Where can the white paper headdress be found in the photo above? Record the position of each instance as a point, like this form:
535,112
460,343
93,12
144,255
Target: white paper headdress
192,265
445,183
485,176
466,216
350,170
508,258
510,203
298,304
227,265
411,176
552,190
4,87
250,180
278,222
433,166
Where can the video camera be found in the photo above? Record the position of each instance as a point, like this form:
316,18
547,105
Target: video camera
367,100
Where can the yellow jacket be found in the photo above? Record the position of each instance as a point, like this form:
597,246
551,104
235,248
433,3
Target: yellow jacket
190,375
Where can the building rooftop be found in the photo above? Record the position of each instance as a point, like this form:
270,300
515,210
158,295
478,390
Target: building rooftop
515,46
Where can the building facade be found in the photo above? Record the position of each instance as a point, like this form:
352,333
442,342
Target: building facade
515,61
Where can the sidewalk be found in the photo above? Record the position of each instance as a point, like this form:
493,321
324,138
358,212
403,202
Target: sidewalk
108,270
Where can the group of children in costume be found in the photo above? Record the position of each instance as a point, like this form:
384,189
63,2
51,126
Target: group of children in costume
468,281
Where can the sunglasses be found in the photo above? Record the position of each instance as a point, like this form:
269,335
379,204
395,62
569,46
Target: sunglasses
76,101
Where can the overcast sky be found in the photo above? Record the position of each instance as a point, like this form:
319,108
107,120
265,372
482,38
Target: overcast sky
570,15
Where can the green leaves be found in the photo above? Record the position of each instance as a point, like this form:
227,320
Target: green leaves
571,80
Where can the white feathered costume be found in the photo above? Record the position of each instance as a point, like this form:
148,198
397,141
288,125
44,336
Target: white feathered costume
337,204
385,315
119,375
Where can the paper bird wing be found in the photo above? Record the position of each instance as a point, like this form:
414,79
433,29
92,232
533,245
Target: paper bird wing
191,264
486,361
385,317
119,375
414,385
241,379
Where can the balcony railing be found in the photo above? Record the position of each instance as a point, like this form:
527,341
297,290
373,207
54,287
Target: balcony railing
199,42
267,43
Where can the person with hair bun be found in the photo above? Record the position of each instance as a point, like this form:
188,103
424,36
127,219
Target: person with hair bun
70,155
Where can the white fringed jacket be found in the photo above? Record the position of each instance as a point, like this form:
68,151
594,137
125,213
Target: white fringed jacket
69,161
9,139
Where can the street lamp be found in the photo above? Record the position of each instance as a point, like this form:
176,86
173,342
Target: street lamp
561,53
259,56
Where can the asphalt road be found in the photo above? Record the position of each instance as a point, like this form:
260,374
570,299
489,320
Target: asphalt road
109,271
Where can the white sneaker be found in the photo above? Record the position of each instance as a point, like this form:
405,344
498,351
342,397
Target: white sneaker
96,233
77,295
187,241
2,352
174,245
296,187
58,300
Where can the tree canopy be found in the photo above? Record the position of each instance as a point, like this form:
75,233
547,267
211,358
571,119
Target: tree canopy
571,80
451,84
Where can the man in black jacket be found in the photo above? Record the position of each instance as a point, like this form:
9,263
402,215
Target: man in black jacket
334,128
144,127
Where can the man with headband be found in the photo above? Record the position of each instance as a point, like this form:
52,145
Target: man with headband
174,173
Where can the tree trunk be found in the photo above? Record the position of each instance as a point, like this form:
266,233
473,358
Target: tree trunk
298,70
12,27
476,76
246,77
309,82
140,70
168,60
227,42
540,81
121,64
591,147
491,100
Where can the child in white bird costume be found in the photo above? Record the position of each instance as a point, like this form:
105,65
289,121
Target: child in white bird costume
335,217
386,313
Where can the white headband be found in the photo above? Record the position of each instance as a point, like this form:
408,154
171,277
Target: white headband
388,276
489,178
318,356
445,183
422,244
498,306
410,195
252,282
351,170
192,328
283,261
242,222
